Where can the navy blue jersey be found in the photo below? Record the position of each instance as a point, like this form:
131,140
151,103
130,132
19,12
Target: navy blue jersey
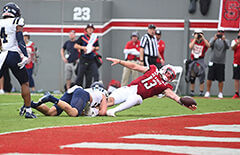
83,41
72,52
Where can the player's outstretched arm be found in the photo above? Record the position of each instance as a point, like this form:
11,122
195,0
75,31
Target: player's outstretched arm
103,107
184,101
128,64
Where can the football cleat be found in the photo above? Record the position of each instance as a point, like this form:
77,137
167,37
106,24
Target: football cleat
30,115
111,113
22,110
45,98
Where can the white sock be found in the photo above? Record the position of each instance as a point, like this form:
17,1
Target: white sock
130,102
29,109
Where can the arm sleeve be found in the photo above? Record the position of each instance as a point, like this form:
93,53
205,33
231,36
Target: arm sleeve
143,41
21,43
79,41
65,45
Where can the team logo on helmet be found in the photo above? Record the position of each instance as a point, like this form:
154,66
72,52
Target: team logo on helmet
167,72
11,10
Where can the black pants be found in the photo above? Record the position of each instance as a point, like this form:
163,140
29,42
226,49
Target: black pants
89,69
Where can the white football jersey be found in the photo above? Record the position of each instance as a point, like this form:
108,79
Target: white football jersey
8,33
96,97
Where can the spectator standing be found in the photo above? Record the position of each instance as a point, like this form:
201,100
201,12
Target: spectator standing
236,64
216,67
161,48
89,45
196,68
148,47
31,56
70,56
132,53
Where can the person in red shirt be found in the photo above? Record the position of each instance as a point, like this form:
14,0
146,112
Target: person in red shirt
236,64
161,48
198,47
31,56
132,53
152,82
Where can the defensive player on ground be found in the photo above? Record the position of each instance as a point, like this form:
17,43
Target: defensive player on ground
75,102
11,43
153,82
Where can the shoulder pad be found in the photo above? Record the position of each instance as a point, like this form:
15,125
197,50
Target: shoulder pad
18,21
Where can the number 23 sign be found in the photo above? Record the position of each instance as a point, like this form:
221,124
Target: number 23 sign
229,14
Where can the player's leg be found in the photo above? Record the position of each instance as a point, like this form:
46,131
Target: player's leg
130,102
21,75
1,85
118,96
43,108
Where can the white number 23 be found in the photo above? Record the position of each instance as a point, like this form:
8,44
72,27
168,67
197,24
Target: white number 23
81,13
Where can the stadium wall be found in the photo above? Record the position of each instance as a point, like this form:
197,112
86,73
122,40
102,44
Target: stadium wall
49,22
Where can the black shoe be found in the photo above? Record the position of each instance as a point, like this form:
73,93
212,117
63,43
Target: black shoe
22,110
191,94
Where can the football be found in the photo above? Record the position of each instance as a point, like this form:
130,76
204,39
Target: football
187,101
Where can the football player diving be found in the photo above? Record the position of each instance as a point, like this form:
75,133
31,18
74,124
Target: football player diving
152,82
11,43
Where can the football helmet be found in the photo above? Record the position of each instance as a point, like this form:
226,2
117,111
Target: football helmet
100,87
11,10
167,72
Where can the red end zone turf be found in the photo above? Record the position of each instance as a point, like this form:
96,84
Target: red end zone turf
111,138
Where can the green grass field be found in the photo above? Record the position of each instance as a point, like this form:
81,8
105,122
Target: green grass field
153,107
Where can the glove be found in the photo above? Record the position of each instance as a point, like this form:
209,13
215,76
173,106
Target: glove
23,62
188,102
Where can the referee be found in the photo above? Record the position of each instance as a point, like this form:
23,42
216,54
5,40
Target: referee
149,47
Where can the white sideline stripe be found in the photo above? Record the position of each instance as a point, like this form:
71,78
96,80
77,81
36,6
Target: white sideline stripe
224,128
4,104
181,137
111,122
154,147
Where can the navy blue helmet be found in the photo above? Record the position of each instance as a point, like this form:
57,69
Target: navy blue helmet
11,10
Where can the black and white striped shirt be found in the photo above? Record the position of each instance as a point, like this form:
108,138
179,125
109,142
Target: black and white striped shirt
149,43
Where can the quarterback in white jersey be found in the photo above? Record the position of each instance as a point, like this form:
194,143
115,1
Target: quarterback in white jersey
11,43
75,102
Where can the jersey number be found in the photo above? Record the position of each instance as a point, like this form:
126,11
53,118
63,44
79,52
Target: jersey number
3,35
150,84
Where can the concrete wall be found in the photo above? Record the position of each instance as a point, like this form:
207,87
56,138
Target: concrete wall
113,40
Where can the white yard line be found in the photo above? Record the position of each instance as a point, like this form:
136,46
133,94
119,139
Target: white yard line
154,147
182,138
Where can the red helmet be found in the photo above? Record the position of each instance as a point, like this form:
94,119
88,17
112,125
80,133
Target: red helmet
167,72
